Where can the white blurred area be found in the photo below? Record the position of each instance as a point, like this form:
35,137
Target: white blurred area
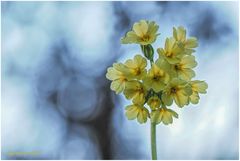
54,55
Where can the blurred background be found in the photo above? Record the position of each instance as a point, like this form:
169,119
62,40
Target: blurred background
57,102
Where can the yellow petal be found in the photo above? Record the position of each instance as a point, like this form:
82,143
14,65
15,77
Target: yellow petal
119,66
139,98
140,61
173,113
173,60
130,63
194,98
199,86
187,90
166,118
188,62
167,99
163,64
152,28
191,42
181,99
118,86
113,74
186,74
142,116
135,90
157,86
156,116
179,34
129,38
131,112
140,28
161,52
169,44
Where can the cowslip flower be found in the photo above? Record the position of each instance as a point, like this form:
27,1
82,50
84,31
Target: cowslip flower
136,67
183,69
188,43
118,77
163,115
197,87
172,52
177,90
143,32
156,78
137,111
136,91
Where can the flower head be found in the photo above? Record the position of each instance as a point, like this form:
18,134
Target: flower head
136,67
136,91
118,77
177,90
188,43
172,51
183,69
164,115
197,87
143,32
156,78
161,82
137,111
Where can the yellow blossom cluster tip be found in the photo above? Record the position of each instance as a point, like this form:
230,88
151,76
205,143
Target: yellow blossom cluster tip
167,81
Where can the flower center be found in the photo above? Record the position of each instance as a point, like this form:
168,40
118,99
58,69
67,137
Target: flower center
140,90
123,79
169,54
173,90
156,78
177,67
137,71
158,75
145,38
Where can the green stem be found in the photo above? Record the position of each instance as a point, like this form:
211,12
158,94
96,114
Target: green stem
153,141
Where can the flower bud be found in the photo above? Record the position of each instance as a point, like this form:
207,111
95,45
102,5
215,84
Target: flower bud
148,51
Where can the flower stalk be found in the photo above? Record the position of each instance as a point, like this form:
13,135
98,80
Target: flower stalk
153,141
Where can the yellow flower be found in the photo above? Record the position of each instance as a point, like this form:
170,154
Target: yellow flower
197,87
172,52
143,32
163,115
136,91
183,69
167,67
118,77
136,67
177,90
154,102
137,111
180,35
156,78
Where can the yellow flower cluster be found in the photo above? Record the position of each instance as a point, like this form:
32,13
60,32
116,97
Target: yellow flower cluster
168,80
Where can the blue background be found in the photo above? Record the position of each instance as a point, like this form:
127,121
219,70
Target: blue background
57,102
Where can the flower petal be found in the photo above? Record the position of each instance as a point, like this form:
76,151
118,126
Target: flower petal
188,62
199,86
191,42
132,112
194,98
140,28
